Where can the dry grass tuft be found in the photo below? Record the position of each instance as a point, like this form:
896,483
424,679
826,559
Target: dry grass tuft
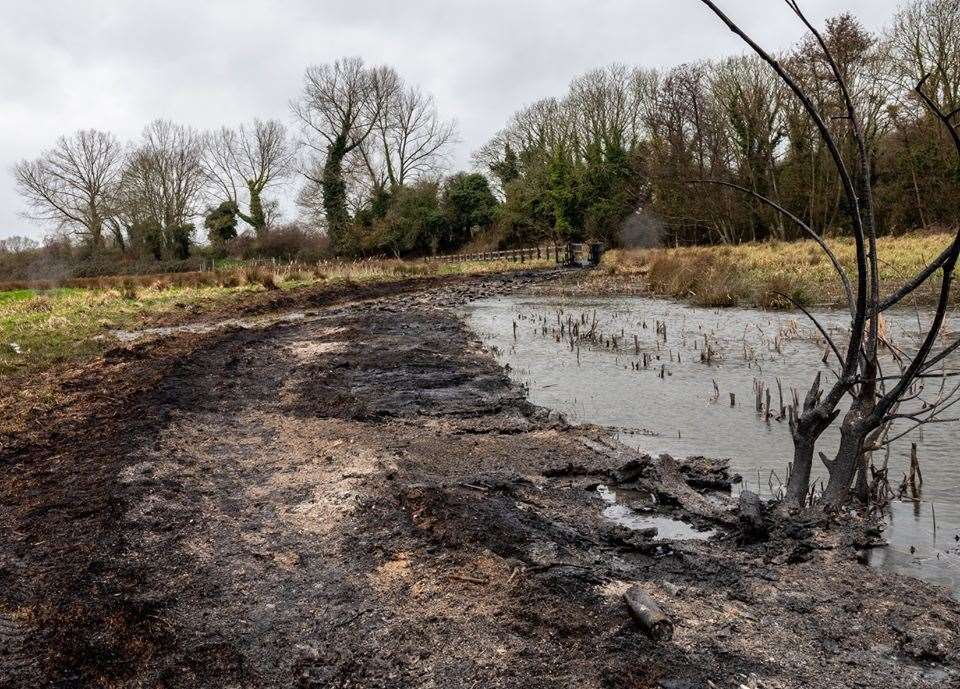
705,279
299,275
38,304
781,291
231,278
259,275
129,289
760,274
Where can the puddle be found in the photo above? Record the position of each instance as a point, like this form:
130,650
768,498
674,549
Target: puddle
667,528
669,369
203,328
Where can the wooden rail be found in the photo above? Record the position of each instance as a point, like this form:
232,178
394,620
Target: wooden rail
561,253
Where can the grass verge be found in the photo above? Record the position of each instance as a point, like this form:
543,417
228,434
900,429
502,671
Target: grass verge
40,328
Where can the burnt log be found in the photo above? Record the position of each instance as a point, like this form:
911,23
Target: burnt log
705,473
572,469
648,615
632,471
750,518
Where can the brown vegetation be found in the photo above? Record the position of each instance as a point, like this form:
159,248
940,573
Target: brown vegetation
762,274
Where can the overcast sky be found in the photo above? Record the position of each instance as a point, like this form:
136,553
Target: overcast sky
117,65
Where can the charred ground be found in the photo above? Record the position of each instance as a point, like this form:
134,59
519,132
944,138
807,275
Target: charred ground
363,499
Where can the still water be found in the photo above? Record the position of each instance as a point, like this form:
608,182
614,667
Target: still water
680,402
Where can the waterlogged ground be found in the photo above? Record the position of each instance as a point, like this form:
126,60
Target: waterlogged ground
672,405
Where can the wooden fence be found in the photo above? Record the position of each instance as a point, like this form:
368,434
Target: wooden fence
560,253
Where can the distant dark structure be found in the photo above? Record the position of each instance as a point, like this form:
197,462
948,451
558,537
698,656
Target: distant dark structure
642,229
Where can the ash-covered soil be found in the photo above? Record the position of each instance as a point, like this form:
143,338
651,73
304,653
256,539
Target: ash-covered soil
363,499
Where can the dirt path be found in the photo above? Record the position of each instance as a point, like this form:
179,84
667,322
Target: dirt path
362,499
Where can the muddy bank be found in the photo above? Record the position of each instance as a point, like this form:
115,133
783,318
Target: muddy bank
692,360
361,498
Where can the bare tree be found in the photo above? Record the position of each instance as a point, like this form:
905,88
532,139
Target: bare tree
339,108
924,43
162,186
537,131
606,104
18,245
248,160
690,128
874,407
70,185
854,54
410,139
882,401
750,99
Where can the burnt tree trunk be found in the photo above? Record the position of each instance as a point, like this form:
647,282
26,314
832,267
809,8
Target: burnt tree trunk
806,427
799,482
843,468
861,488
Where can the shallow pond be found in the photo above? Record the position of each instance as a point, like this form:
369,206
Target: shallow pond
680,401
658,525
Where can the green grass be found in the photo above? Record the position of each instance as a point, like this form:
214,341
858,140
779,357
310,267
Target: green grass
21,294
41,328
38,330
16,295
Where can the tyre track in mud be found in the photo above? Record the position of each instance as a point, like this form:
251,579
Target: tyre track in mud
360,499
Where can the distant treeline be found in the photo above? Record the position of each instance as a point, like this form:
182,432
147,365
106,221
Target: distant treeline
370,156
624,138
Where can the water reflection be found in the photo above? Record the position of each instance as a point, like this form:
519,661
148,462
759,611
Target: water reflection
657,525
663,373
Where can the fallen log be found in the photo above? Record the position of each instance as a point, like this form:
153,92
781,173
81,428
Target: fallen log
573,469
705,473
648,615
